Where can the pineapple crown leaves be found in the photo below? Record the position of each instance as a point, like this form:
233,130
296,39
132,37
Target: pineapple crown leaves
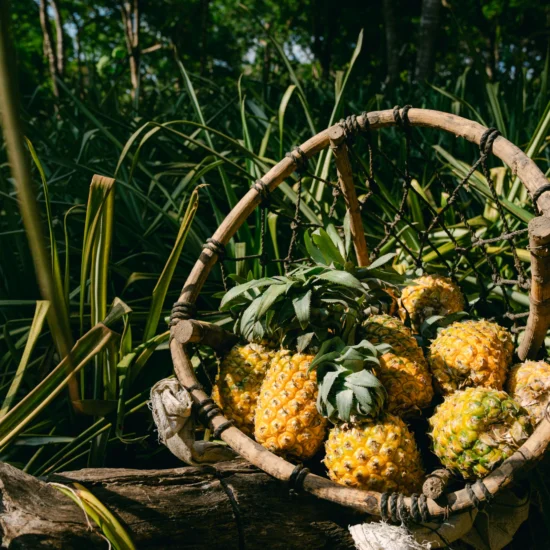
379,280
319,299
348,389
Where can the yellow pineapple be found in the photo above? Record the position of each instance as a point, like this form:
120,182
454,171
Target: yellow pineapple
403,369
287,421
367,448
474,430
470,353
298,311
238,382
529,384
430,295
377,455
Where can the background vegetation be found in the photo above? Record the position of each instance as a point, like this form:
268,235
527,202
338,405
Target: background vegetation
168,96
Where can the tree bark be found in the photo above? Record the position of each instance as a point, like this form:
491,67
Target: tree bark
130,20
429,26
392,47
59,40
231,505
49,52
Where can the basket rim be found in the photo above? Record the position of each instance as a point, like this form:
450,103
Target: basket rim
371,502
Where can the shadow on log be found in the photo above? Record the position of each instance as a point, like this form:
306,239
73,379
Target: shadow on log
231,505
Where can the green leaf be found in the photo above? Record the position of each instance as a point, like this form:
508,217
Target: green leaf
313,252
85,349
270,296
327,247
383,260
302,307
34,332
342,278
344,402
161,288
282,110
238,291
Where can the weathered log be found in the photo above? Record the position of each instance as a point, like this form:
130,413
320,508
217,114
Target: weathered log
231,505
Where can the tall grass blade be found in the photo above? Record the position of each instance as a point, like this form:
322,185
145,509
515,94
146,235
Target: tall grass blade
85,349
35,330
113,530
13,136
161,288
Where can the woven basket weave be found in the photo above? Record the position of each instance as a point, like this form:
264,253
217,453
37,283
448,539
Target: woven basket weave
391,506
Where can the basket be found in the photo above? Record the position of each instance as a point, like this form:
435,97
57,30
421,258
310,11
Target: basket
186,330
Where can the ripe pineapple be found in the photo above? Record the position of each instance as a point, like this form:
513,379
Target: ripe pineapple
403,369
297,311
287,422
430,295
239,379
474,430
367,448
377,455
529,384
470,353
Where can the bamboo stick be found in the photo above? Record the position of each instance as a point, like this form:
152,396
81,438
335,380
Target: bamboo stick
190,331
436,483
345,180
539,313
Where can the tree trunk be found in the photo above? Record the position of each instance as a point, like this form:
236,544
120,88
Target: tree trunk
49,52
130,20
231,505
59,43
429,26
392,48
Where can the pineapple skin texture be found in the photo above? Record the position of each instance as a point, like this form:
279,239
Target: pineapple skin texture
474,430
380,455
529,384
287,421
403,370
238,382
470,353
430,295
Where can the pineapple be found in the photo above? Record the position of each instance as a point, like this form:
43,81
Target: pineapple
529,384
367,448
297,311
238,382
403,369
474,430
377,455
430,295
287,422
470,353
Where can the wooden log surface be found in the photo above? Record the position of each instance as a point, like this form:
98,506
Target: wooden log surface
231,505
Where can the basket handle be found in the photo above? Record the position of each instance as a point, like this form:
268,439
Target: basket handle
337,140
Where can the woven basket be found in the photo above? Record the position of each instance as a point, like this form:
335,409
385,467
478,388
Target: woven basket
186,330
